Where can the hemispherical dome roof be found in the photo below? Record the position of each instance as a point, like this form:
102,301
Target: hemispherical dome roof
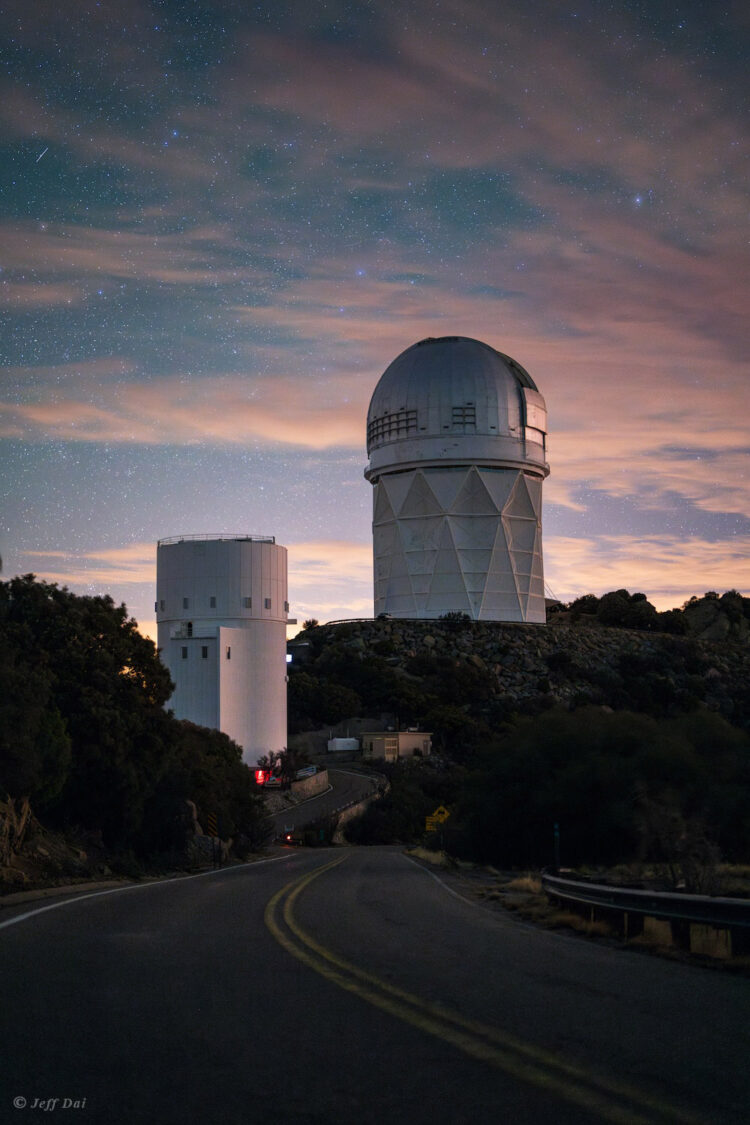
452,387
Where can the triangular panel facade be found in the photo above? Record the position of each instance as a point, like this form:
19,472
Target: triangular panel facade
463,540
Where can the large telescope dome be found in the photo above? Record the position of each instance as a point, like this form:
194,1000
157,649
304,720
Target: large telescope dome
453,396
457,442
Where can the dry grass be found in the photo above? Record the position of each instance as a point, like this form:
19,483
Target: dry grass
649,942
734,879
567,920
529,883
437,859
538,909
489,892
741,870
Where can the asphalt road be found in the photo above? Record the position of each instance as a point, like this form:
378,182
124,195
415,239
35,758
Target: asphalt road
346,986
347,786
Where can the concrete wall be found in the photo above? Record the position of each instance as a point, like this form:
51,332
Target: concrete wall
311,786
350,814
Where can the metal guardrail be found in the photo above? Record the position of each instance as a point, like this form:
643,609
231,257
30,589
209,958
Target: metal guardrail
722,912
351,621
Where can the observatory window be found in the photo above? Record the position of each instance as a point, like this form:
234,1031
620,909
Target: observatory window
464,416
156,607
266,603
190,628
286,607
247,603
229,652
186,603
212,603
184,652
391,427
204,652
161,604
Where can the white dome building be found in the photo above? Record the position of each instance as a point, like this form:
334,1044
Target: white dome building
457,437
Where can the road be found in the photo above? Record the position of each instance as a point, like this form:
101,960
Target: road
347,786
341,986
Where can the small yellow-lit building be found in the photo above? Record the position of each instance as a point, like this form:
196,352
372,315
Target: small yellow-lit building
392,745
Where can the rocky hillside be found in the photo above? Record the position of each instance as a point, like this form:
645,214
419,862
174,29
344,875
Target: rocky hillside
435,672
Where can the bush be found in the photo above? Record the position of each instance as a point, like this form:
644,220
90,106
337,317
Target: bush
590,771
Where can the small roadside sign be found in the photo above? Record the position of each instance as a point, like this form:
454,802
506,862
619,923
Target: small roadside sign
211,824
440,814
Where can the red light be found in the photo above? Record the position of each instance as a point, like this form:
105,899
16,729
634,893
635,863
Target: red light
260,777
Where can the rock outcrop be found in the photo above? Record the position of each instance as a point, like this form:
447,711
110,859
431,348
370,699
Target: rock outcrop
531,667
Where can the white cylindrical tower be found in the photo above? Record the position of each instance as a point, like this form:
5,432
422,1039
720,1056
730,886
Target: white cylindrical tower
457,441
221,609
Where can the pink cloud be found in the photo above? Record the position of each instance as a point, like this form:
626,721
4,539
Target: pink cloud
668,568
624,392
30,295
93,253
96,571
330,579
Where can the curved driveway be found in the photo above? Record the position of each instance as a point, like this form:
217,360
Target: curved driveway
349,987
347,787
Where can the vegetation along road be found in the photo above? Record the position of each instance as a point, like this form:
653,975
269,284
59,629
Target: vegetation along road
350,986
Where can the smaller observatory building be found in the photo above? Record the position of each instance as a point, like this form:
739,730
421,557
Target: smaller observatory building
457,447
221,610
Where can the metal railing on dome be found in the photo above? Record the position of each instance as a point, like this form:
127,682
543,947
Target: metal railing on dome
235,537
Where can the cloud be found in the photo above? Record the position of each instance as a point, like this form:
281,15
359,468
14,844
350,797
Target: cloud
222,410
193,257
96,571
572,198
668,568
327,578
28,295
633,407
330,579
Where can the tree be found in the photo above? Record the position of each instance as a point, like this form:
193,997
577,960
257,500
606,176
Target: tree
84,733
593,771
204,766
34,743
110,687
628,611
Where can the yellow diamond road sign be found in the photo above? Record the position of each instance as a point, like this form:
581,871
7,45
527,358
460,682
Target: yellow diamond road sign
440,814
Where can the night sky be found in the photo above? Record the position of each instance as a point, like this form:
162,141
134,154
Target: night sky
221,222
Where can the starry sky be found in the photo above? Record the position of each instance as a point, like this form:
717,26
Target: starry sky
220,221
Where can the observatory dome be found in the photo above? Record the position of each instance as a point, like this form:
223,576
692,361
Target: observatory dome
457,441
455,398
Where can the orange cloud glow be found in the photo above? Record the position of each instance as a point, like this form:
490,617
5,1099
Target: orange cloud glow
668,568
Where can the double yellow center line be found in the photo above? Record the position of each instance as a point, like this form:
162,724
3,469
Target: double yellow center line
606,1098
